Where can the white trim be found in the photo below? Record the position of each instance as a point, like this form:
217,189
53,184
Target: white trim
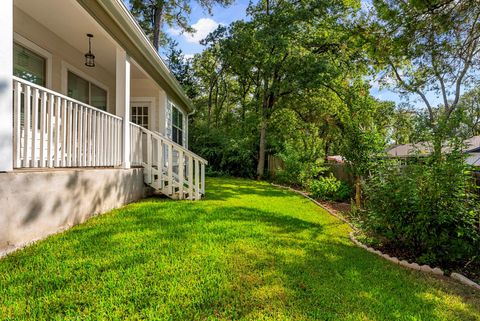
30,45
66,67
151,101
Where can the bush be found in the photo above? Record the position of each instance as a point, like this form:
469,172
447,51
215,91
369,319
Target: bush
330,188
300,167
428,209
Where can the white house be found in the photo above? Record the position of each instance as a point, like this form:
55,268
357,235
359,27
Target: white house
89,113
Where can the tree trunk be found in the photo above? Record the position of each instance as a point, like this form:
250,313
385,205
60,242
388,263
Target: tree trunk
157,24
261,150
358,192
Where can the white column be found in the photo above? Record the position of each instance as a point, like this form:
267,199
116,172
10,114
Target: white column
6,96
122,101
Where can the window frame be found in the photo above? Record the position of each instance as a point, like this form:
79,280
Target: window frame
66,68
30,45
182,130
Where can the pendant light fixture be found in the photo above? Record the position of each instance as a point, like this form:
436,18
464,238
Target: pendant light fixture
89,57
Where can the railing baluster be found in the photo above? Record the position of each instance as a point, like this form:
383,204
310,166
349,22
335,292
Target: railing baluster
77,128
69,133
181,171
197,180
89,136
63,136
170,169
202,169
51,103
43,130
57,132
34,126
150,178
17,107
190,177
26,126
85,136
79,136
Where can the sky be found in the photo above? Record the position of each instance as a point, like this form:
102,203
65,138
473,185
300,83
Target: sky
204,23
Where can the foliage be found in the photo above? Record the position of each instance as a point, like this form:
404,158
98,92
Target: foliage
181,67
226,152
428,209
248,251
329,188
469,107
429,49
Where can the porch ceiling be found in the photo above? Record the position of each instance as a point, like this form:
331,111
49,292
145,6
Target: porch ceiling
69,21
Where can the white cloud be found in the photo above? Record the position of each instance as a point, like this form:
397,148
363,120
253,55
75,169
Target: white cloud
202,28
188,56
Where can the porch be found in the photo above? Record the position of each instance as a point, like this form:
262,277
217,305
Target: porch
126,111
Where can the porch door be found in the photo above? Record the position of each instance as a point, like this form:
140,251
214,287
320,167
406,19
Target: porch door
140,112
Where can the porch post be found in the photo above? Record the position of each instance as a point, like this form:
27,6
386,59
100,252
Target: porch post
6,96
123,101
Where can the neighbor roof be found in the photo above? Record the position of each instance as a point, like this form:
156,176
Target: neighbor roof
425,148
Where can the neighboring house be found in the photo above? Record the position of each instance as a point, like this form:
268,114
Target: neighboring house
82,129
472,149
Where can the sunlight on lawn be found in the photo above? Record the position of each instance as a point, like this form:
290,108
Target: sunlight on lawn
248,251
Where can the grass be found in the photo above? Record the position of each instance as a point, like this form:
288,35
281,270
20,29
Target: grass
248,251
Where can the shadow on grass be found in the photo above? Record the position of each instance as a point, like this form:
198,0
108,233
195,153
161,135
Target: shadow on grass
195,260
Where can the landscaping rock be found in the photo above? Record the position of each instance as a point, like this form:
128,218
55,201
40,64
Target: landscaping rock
437,271
415,266
464,280
404,263
425,268
394,260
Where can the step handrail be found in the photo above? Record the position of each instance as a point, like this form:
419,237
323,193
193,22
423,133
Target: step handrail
169,141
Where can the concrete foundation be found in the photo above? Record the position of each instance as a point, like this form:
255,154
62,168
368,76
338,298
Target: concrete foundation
35,204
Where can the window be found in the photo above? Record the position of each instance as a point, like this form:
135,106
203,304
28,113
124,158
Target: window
29,65
84,91
177,125
139,115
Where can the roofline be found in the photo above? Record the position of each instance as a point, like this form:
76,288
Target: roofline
123,27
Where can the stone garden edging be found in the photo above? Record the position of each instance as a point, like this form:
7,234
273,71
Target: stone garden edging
414,266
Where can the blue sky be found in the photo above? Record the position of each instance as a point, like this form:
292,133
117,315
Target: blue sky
205,23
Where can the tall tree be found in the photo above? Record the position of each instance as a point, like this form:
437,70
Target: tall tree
153,14
283,51
430,49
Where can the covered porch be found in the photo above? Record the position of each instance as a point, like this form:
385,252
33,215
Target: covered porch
125,110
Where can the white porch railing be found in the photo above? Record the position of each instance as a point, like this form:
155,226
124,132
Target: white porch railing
168,166
52,130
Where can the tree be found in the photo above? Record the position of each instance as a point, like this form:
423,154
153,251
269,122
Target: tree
181,67
153,14
283,51
429,48
469,107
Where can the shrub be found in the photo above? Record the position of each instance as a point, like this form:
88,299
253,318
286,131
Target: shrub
329,188
300,166
427,209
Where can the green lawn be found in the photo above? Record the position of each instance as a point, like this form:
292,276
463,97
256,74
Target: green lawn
248,251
